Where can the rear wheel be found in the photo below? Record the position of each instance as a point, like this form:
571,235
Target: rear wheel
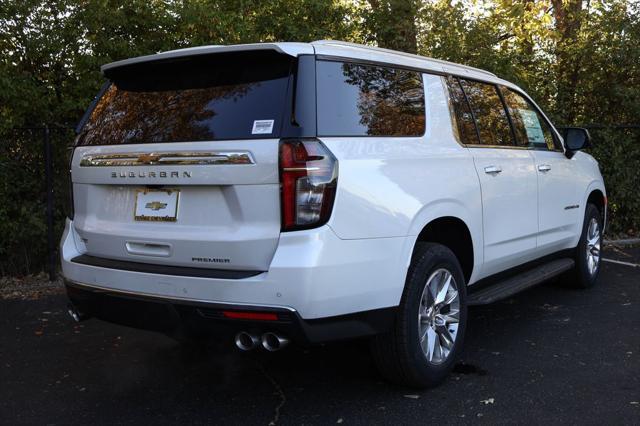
426,339
587,255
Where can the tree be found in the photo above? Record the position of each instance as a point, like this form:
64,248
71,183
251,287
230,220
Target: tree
393,23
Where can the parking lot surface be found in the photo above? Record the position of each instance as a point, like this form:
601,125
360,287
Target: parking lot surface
551,355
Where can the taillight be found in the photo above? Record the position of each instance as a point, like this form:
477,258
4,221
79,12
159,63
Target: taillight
308,178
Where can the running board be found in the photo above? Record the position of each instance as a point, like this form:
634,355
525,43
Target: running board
515,284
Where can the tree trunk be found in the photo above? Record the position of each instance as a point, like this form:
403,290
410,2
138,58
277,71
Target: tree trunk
568,21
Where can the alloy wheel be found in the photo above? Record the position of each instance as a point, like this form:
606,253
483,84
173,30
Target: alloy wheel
439,316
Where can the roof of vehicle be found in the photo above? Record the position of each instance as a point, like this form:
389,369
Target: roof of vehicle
330,48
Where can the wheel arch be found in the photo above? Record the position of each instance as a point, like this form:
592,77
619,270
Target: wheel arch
596,195
452,225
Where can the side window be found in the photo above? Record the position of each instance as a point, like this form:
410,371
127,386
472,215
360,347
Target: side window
488,110
529,125
463,116
364,100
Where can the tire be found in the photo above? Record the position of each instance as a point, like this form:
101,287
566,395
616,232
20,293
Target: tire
585,273
399,354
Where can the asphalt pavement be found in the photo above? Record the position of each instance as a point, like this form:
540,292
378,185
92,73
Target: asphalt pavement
551,355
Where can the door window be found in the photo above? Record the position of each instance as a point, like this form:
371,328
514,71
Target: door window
530,127
488,110
463,116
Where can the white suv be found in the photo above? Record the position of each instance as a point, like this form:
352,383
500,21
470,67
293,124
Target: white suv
312,192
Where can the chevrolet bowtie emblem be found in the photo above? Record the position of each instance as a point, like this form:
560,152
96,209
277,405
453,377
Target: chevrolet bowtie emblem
156,205
149,158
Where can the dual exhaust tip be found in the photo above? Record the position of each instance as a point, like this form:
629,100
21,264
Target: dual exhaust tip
270,341
244,341
75,313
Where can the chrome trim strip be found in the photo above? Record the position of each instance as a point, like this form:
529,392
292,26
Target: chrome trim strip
173,298
195,158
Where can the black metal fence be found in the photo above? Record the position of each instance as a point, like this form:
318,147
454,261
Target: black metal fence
35,189
34,193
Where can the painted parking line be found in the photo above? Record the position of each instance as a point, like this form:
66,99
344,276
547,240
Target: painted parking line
619,262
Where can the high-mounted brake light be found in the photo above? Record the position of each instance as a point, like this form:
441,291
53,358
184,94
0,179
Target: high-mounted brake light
308,178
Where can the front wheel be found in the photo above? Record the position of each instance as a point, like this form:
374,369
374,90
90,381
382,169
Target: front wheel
426,339
587,254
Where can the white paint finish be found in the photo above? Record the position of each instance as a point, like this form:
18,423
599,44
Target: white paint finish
393,187
310,272
388,190
239,223
559,189
509,207
225,211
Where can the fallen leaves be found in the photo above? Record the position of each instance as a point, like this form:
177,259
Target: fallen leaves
29,287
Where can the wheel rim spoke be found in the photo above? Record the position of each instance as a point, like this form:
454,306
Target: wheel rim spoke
442,294
452,317
446,337
437,347
439,316
593,246
451,297
431,343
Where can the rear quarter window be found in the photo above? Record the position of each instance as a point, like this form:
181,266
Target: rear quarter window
365,100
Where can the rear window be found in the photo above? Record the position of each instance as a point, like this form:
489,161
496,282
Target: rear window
199,98
364,100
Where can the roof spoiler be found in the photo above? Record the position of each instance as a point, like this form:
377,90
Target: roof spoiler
291,49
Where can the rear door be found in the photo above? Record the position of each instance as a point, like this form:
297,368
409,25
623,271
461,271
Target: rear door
178,162
507,176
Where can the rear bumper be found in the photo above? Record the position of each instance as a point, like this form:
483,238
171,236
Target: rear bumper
203,318
313,272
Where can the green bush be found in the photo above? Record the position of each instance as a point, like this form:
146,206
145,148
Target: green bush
23,231
618,152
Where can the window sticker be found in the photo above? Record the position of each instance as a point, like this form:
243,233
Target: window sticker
532,126
262,127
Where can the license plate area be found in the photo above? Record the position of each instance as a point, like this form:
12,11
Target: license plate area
156,205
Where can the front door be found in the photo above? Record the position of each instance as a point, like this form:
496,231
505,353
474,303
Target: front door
559,197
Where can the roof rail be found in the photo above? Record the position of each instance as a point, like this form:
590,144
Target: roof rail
396,52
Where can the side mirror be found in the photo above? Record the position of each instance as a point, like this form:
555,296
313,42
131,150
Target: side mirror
575,139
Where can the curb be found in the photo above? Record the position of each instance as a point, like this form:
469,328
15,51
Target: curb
623,242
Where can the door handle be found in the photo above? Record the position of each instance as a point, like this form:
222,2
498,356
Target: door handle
544,167
492,170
